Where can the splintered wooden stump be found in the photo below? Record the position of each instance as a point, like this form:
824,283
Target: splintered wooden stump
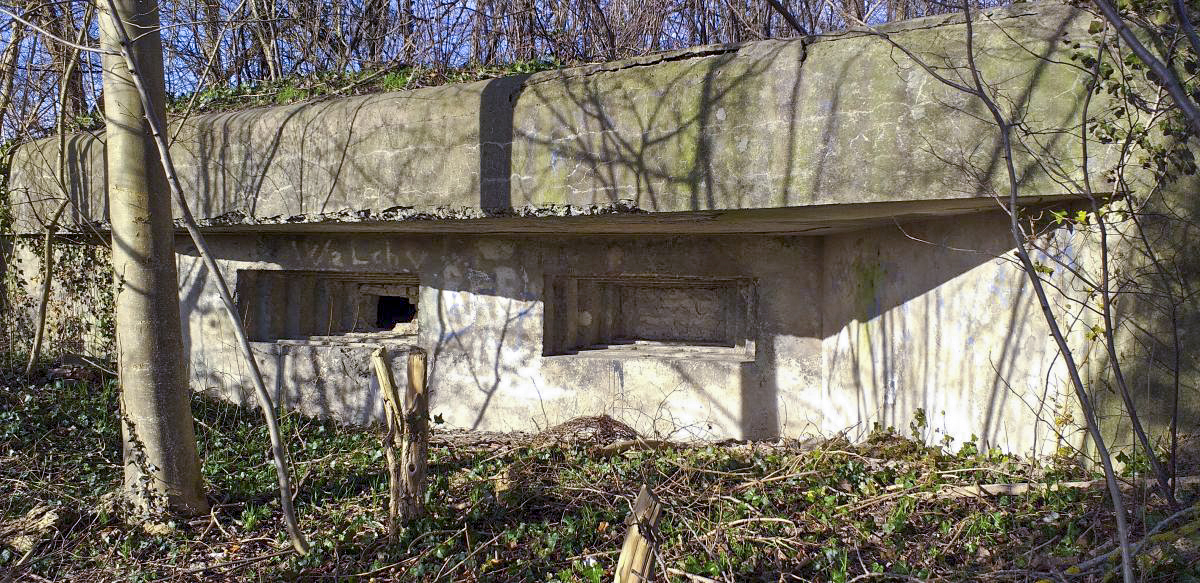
636,563
407,432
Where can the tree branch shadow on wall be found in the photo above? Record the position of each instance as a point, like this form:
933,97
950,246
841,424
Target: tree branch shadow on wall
648,153
933,318
634,143
758,393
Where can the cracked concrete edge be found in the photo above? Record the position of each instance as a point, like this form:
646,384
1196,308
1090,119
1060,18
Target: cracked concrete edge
393,214
433,213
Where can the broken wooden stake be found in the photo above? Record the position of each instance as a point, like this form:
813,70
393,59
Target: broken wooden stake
414,451
408,431
636,563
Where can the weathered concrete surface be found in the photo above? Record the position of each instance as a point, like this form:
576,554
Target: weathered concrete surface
822,173
937,316
482,322
767,125
851,330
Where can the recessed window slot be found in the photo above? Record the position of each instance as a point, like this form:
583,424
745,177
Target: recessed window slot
327,305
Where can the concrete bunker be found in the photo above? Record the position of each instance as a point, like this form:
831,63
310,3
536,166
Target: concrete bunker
774,239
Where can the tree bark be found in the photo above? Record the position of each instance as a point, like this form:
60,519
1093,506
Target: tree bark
414,439
39,331
408,431
161,462
159,137
62,23
8,69
214,32
263,29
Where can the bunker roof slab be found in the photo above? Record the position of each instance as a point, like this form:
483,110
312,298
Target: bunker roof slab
809,135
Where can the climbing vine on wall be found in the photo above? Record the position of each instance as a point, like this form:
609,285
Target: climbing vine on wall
79,315
80,311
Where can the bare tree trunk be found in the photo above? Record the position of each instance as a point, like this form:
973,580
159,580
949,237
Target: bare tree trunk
214,31
158,436
62,22
1161,474
262,28
414,439
39,333
8,68
154,119
408,430
376,20
65,87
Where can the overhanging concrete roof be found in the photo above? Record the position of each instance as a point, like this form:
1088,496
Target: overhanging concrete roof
774,136
807,220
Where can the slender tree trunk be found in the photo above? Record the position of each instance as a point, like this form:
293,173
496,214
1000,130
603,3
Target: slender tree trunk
8,68
65,86
158,436
262,29
39,334
158,135
62,22
214,32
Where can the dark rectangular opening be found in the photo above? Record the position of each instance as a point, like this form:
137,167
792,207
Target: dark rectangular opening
394,310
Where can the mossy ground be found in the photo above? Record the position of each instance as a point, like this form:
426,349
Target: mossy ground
509,511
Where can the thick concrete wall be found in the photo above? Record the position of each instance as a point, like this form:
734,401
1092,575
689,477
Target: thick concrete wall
851,330
840,119
482,310
937,316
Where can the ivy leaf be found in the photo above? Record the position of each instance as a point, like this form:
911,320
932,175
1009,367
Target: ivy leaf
1095,27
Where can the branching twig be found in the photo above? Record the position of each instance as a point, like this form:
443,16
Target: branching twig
976,87
787,15
48,242
1163,75
44,296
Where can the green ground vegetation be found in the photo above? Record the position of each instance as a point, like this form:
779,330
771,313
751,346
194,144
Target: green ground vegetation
519,508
